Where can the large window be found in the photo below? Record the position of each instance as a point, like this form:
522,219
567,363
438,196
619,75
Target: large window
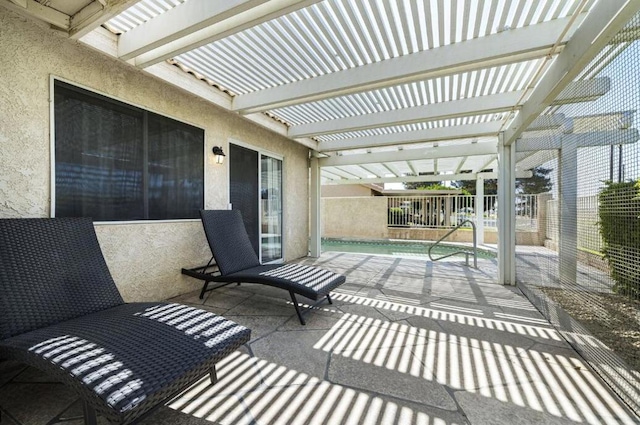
114,161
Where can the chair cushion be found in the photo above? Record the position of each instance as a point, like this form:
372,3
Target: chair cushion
51,270
310,282
228,239
128,358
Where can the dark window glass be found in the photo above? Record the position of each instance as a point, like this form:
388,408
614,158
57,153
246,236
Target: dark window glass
243,177
118,162
176,168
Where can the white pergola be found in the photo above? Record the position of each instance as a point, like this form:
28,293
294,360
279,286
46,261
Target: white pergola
383,90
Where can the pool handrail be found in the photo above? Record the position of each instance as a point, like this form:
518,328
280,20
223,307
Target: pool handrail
466,253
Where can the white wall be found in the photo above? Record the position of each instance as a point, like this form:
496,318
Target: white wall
145,258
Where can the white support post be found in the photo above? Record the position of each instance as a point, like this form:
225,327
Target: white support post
315,205
512,213
480,210
568,187
506,213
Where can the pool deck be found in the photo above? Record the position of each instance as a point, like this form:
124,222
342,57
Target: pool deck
406,341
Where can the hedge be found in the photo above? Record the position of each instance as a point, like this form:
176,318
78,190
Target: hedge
620,229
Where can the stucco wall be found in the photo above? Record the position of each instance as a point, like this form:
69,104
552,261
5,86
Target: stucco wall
358,217
366,218
145,258
344,190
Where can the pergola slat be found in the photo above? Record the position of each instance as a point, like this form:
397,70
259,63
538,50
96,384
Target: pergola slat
503,48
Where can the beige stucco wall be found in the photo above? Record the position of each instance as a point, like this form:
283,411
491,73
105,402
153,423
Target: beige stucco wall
366,218
145,258
358,217
344,190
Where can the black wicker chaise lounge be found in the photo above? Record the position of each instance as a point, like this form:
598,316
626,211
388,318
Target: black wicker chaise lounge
234,261
60,311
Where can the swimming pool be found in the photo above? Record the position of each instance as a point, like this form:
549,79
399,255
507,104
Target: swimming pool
396,248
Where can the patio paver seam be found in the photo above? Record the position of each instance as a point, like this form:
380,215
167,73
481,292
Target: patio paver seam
392,397
5,414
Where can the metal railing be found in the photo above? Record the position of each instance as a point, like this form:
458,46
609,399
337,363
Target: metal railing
465,252
446,211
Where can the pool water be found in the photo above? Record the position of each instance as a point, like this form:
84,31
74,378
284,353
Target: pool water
397,248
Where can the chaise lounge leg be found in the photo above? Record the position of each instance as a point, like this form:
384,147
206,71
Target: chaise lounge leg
213,375
204,289
89,414
329,299
295,304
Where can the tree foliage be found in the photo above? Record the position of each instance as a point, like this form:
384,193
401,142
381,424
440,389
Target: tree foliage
619,225
433,186
490,186
539,182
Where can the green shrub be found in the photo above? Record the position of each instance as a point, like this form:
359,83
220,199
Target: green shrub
620,229
439,186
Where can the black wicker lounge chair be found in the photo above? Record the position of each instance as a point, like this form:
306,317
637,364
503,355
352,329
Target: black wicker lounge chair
234,260
61,312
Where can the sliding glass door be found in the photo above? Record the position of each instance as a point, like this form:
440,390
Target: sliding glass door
271,208
256,190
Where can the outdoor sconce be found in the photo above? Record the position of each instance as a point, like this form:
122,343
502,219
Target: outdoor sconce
217,152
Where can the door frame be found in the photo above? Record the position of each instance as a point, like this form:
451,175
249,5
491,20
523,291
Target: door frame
260,151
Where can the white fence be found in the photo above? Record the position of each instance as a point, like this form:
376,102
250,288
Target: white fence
443,211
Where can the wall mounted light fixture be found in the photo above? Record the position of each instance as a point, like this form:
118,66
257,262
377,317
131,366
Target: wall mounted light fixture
219,154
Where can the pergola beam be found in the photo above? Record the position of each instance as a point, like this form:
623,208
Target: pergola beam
196,23
485,165
412,168
177,23
580,140
629,34
391,169
436,111
583,91
535,159
547,122
86,20
427,178
331,175
577,91
606,120
517,45
417,136
39,11
602,23
95,14
368,170
90,17
345,174
461,164
448,151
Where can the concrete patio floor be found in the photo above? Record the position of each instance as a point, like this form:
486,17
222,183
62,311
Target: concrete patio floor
406,342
